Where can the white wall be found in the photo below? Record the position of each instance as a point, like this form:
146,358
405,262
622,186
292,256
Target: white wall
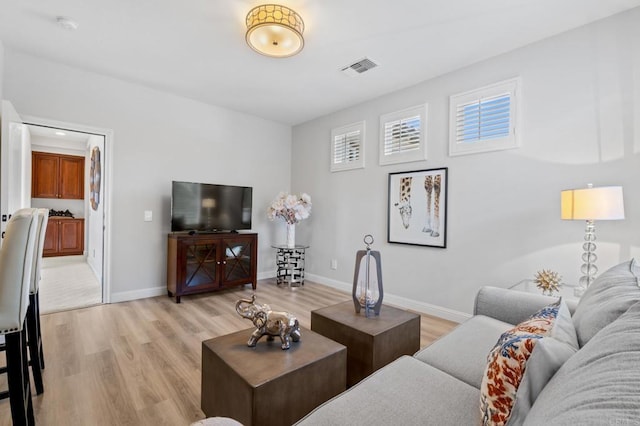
1,70
580,124
25,171
158,137
45,144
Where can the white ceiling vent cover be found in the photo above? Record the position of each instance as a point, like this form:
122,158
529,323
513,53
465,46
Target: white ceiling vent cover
359,67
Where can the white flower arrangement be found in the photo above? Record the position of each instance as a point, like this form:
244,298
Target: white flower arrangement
290,207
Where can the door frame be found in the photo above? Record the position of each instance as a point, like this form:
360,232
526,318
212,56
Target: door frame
107,178
9,115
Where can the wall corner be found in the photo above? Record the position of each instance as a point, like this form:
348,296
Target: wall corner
1,70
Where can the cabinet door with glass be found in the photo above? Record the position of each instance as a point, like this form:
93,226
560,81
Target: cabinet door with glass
238,259
201,265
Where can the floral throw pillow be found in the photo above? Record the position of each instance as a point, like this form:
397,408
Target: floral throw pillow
507,362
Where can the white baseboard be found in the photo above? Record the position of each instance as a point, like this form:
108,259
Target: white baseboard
266,275
402,302
125,296
95,272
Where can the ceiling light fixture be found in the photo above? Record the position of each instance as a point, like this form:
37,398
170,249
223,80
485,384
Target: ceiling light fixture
274,30
59,133
67,23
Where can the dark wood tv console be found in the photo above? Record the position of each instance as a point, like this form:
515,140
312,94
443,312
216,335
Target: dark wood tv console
201,263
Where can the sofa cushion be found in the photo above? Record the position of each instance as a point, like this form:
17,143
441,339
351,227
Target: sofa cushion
511,306
509,358
600,383
462,353
405,392
611,294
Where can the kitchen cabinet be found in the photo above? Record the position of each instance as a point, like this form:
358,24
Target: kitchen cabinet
57,176
64,237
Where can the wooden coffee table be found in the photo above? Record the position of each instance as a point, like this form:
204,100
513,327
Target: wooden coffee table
371,342
266,385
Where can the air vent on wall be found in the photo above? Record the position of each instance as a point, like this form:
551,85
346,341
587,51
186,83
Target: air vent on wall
359,67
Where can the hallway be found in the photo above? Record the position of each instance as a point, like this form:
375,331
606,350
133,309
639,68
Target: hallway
68,283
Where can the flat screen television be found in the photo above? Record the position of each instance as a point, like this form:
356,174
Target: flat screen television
204,207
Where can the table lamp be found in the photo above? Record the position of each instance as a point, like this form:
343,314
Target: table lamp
591,204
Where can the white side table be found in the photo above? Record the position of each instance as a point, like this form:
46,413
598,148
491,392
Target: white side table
566,291
290,265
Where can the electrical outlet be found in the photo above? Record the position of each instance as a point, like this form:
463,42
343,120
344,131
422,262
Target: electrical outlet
148,215
334,263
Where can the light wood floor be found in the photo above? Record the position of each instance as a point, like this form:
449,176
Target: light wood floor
138,362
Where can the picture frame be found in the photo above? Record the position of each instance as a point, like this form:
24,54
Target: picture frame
417,207
95,176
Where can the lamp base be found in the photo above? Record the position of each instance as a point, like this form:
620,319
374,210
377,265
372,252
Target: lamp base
589,257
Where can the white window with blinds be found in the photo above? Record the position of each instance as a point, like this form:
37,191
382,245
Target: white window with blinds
347,147
403,135
484,119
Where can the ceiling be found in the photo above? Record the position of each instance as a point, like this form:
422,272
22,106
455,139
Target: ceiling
197,49
58,138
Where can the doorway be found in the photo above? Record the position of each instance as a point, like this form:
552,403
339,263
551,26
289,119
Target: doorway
64,166
16,185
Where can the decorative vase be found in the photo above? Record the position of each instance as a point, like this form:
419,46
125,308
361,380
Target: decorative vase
291,235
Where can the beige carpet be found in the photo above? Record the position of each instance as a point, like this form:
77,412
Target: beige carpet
68,283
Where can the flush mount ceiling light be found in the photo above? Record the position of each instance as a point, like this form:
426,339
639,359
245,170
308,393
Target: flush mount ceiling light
274,30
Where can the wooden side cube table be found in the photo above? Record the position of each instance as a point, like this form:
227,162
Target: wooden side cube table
371,342
266,385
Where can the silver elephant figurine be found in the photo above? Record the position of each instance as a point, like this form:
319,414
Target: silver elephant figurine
268,322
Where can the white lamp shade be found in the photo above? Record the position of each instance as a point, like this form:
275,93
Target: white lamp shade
604,203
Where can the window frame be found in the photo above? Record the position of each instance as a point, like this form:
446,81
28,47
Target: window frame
419,154
511,141
343,131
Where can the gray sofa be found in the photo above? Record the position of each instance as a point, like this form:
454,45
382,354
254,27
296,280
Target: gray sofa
440,385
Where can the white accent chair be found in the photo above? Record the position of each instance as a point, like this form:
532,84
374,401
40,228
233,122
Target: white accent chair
34,336
33,312
16,258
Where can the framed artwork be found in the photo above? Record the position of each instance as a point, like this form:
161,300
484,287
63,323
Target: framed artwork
417,211
94,178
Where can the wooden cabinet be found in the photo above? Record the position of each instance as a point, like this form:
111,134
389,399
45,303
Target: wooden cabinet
57,176
64,237
208,262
